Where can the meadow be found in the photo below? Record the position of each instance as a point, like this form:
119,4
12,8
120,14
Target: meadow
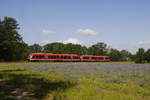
74,81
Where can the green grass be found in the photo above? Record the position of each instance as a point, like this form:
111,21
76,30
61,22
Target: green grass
20,83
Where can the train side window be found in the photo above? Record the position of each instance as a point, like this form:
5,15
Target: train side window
85,57
46,56
101,58
41,56
49,57
93,58
37,56
74,57
53,57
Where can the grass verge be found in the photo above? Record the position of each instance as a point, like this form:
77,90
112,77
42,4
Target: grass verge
19,83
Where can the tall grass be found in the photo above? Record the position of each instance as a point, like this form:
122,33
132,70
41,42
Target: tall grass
21,83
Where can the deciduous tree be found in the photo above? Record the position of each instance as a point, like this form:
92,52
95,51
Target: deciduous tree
12,47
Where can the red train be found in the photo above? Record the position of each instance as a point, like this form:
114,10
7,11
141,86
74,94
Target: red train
65,57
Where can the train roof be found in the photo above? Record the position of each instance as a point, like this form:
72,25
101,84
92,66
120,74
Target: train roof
94,56
56,54
69,55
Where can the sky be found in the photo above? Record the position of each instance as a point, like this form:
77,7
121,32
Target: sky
122,24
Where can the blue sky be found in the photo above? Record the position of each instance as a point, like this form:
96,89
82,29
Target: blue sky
123,24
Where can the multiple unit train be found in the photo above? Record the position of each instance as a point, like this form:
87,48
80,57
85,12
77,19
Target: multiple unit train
65,57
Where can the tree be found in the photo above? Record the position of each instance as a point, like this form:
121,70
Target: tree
61,48
73,49
140,56
84,50
125,55
147,55
98,49
35,48
11,43
115,55
54,48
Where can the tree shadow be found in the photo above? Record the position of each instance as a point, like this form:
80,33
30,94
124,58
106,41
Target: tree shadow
30,87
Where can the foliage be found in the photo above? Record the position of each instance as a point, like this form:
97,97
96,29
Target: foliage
61,48
98,49
147,55
140,56
35,48
125,55
54,48
73,49
12,46
115,55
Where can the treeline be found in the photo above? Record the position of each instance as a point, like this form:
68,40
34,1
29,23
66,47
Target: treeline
99,49
13,48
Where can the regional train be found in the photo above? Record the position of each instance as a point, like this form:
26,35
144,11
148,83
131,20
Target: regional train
66,57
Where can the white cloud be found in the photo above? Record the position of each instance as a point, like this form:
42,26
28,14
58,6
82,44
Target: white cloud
87,32
47,32
69,40
72,40
44,42
143,44
146,42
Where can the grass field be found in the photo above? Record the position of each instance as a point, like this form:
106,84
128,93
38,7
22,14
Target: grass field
74,81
